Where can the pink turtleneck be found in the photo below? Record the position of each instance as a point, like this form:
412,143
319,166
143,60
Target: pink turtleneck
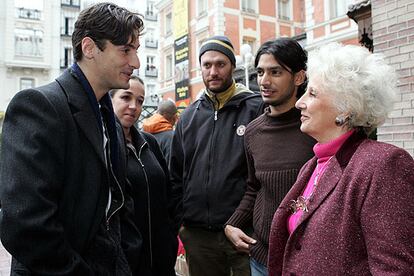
324,153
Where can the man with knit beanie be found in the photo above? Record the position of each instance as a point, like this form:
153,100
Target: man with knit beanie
161,125
276,149
208,164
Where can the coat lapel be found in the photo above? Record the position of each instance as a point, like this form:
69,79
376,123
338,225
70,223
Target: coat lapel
325,185
82,111
279,232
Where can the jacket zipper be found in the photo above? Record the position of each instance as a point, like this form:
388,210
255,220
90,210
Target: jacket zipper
117,183
138,157
209,162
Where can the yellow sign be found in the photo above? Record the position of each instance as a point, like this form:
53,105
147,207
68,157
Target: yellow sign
180,17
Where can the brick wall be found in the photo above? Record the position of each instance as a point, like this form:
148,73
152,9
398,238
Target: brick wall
393,33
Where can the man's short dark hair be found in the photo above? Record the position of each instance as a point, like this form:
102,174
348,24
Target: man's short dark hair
289,54
105,22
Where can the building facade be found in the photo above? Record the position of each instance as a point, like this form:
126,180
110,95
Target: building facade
30,45
244,22
327,21
69,11
148,53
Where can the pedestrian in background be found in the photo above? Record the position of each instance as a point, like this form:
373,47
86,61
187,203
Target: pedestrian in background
350,211
208,164
148,176
276,149
62,177
161,125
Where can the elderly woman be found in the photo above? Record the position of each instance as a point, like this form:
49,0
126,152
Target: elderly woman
148,174
351,210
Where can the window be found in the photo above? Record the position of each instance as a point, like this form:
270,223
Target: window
168,24
67,28
150,89
71,2
152,97
150,13
150,41
202,7
150,69
28,42
337,8
26,83
249,6
29,14
283,8
168,66
150,62
150,34
67,58
29,9
150,7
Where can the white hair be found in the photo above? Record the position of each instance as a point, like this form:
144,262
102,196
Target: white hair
362,84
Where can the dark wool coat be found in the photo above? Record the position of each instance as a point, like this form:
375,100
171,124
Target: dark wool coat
361,218
54,182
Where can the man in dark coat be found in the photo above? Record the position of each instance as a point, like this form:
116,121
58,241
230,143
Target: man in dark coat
208,165
62,178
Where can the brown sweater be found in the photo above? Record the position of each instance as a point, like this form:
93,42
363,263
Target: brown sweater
276,149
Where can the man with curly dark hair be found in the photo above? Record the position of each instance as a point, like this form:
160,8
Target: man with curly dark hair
65,205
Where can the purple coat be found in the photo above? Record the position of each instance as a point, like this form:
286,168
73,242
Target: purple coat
360,219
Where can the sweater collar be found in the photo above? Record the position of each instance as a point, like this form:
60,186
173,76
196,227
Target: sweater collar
290,116
220,99
327,150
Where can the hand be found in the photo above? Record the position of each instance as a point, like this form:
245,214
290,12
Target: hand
239,239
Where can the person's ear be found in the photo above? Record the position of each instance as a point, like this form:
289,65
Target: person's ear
88,47
299,77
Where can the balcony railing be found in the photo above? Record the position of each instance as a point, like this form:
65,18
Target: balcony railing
150,15
151,43
284,17
29,13
66,31
248,10
71,3
151,72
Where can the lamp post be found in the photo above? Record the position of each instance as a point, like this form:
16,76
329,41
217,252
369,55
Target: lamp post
246,53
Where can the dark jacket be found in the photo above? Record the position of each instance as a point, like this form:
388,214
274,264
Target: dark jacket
163,131
151,191
208,165
360,221
54,181
164,139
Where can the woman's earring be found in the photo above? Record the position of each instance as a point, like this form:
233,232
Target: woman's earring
340,120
